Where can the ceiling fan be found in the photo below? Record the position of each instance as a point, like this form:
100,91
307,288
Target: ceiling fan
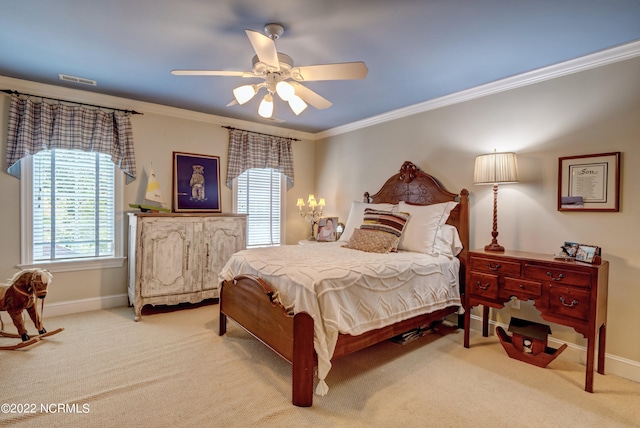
280,76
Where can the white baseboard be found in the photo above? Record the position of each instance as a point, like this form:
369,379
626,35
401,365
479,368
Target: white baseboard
85,305
613,364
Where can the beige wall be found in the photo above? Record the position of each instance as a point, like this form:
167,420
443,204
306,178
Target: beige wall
157,134
594,111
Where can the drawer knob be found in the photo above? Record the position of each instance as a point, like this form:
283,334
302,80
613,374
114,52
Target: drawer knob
491,267
484,287
558,278
522,286
573,303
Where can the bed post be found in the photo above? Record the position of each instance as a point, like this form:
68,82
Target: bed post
463,231
303,360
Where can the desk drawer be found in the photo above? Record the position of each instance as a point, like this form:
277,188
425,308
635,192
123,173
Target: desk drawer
523,288
557,275
484,285
572,302
495,266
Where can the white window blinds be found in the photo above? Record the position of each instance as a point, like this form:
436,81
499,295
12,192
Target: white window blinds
259,194
73,205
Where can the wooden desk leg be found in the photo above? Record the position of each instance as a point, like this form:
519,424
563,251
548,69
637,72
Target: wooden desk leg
467,326
485,320
602,341
591,347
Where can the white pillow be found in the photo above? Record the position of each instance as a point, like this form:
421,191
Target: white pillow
448,241
420,233
356,216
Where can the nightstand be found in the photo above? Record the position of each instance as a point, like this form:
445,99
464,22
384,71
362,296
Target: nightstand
565,292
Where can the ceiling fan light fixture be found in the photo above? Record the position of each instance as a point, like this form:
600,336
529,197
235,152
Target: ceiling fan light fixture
297,104
266,107
285,90
244,93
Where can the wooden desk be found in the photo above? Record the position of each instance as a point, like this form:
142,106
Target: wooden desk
565,292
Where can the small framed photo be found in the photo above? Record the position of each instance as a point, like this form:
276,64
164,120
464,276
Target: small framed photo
196,183
589,182
327,229
587,253
570,248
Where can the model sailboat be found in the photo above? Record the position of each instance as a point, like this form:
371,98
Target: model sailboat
153,200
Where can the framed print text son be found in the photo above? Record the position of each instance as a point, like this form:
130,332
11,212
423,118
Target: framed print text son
196,183
589,182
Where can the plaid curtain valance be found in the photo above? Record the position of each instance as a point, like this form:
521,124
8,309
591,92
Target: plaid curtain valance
37,125
252,150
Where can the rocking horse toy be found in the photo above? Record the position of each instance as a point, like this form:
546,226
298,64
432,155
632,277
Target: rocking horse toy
21,293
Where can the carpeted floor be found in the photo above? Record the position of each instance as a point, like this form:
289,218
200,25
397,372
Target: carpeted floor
172,369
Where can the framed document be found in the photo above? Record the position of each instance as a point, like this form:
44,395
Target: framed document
589,182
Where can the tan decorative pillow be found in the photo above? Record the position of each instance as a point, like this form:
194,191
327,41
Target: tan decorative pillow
372,241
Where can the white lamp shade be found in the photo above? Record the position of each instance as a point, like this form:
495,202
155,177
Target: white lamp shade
266,106
285,90
297,104
244,93
494,168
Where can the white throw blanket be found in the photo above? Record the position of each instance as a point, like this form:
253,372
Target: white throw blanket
350,291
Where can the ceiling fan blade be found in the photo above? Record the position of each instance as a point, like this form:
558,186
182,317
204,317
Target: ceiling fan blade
265,48
232,103
211,73
340,71
311,97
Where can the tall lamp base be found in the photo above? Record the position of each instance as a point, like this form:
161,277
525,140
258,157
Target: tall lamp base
494,247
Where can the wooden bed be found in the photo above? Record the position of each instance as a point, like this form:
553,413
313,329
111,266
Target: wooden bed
249,300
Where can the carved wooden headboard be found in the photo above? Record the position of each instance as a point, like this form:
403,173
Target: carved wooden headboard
417,187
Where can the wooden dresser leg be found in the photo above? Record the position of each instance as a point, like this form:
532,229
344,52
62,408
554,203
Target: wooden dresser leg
467,326
591,347
485,321
602,344
303,360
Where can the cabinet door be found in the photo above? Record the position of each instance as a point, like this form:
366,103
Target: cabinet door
167,257
222,237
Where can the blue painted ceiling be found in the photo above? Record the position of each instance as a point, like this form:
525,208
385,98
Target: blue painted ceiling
415,50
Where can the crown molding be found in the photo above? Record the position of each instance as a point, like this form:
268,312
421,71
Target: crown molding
598,59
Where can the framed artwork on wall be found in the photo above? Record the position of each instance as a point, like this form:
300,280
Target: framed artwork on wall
589,182
196,183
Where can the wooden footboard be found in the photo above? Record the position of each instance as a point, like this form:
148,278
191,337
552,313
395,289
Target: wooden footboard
249,301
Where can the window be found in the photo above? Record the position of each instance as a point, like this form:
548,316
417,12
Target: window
259,193
70,206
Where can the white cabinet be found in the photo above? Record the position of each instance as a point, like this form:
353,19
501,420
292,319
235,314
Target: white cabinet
176,258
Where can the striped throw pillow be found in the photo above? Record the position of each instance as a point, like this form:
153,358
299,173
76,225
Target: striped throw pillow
385,221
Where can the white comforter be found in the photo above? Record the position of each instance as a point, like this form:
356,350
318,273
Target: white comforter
350,291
